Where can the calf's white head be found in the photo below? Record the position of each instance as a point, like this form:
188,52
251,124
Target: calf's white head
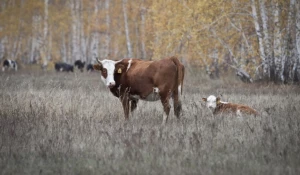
211,101
107,69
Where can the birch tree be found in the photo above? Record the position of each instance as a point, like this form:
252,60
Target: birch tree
143,20
297,55
265,63
266,39
128,42
94,47
278,57
75,49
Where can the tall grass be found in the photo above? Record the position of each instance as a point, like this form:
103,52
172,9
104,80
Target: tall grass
63,123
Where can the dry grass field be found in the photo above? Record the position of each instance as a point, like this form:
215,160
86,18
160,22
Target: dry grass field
69,123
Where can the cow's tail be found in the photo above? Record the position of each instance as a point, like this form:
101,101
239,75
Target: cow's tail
180,73
180,77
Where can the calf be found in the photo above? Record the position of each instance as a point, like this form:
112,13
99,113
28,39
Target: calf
132,80
63,67
218,106
9,64
79,64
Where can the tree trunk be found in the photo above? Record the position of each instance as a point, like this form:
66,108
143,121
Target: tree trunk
297,55
289,46
265,62
278,56
63,50
128,42
46,28
94,46
107,36
36,40
75,49
143,13
266,39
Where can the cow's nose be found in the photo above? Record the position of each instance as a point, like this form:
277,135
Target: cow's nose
111,84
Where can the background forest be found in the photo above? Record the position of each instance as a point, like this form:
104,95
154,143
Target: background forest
261,37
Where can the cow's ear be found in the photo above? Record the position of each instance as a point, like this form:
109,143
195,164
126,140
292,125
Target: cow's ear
97,67
218,100
204,99
120,68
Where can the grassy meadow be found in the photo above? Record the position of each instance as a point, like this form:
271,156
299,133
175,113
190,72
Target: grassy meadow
69,123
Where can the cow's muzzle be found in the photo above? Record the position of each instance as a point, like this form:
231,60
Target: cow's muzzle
111,85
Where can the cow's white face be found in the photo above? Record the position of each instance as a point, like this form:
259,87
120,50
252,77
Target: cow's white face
211,101
107,72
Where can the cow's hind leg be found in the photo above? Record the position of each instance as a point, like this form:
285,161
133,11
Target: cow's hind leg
167,107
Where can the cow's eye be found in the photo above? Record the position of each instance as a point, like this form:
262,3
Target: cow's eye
104,71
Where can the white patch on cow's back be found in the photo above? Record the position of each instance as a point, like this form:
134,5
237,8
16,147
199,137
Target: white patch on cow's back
129,65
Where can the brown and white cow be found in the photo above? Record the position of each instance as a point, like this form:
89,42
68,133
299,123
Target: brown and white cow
132,80
218,106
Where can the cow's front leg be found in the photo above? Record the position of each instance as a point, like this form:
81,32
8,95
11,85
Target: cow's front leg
125,105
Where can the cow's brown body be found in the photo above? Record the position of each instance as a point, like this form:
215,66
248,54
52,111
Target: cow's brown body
137,79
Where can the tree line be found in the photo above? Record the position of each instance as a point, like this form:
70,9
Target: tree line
258,37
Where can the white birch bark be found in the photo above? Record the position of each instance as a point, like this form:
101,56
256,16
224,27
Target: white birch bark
107,36
128,42
75,49
297,55
45,56
2,48
290,44
63,50
83,39
278,57
94,45
36,39
260,41
143,38
266,38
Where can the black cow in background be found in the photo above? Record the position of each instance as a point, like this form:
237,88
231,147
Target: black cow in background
9,64
90,68
79,64
63,67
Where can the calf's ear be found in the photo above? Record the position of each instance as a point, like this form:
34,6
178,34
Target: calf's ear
218,100
204,99
97,67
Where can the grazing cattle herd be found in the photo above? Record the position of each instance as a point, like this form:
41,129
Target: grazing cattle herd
132,80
